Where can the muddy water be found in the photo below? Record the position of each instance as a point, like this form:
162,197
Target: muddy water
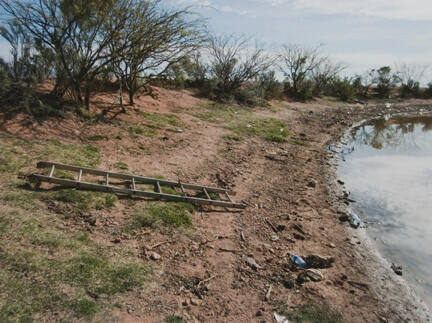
389,174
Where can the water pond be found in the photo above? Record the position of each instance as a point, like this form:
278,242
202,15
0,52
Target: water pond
389,175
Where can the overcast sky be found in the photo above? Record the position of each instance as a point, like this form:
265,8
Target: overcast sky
362,33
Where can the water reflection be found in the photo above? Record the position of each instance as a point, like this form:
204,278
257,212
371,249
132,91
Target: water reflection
390,176
384,132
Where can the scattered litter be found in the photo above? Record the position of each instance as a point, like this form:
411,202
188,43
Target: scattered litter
249,126
354,220
180,130
332,149
280,318
281,129
388,105
299,261
236,112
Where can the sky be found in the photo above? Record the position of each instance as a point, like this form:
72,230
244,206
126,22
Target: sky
363,34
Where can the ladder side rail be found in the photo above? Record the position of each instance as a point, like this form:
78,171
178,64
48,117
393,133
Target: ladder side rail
114,189
140,179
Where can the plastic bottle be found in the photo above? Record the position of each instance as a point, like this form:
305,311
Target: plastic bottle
332,149
299,261
354,220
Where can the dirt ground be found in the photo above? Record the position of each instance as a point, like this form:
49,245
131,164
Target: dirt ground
235,266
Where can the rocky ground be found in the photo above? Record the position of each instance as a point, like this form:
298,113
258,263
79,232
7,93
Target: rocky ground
229,265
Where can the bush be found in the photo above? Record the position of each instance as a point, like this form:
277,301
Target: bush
428,92
269,86
343,89
410,90
303,92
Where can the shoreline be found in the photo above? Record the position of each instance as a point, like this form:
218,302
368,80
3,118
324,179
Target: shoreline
394,291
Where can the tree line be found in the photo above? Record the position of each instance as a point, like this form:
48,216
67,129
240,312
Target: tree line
86,46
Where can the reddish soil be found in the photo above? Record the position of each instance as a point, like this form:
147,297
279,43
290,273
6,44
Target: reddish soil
206,277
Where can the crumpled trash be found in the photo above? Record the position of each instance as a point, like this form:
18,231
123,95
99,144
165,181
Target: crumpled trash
180,130
280,318
388,105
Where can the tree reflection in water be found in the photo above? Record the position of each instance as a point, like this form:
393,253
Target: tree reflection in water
382,133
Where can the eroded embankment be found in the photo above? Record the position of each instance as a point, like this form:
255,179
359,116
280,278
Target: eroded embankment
72,255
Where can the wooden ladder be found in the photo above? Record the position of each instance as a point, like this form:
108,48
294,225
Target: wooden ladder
132,181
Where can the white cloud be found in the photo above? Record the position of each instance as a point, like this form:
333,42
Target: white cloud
389,9
210,4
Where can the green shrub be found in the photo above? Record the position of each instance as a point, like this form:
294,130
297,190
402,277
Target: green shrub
303,92
342,89
270,129
121,165
410,90
163,215
315,314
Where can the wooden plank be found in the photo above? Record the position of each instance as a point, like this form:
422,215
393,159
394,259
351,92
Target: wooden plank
206,193
120,190
182,189
51,173
139,179
228,197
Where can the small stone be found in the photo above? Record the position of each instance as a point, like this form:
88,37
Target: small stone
155,256
332,245
195,302
397,269
185,302
298,236
117,240
281,227
274,238
288,283
314,275
252,263
340,182
344,218
312,183
259,313
317,261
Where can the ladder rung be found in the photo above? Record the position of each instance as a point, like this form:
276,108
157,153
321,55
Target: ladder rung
206,193
182,189
51,173
158,187
133,184
80,175
107,179
228,197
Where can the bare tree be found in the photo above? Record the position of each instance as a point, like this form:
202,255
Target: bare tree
160,39
235,61
324,73
297,63
78,33
410,72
